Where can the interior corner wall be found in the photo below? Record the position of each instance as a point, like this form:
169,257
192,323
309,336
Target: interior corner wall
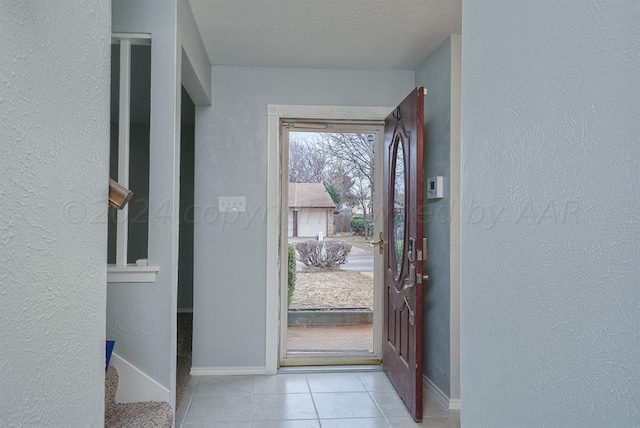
196,69
141,317
435,75
231,160
185,262
54,160
551,213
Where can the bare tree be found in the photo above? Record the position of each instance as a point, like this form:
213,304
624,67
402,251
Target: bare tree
342,181
344,161
353,154
306,163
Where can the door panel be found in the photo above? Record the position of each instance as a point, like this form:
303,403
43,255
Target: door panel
403,184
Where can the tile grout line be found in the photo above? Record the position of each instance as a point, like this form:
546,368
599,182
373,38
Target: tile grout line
378,406
186,413
306,378
374,401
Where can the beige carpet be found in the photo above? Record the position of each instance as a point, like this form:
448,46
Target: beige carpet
183,366
132,415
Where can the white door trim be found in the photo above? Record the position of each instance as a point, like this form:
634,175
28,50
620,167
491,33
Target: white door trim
275,114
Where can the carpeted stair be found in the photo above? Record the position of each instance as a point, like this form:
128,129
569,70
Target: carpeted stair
132,415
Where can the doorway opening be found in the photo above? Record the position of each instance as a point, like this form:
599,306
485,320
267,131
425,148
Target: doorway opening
185,246
331,296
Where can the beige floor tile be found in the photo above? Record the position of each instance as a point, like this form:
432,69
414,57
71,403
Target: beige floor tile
340,405
280,407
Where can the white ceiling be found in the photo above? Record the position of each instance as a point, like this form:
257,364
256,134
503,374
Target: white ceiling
354,34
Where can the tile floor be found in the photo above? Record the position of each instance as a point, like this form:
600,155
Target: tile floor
312,400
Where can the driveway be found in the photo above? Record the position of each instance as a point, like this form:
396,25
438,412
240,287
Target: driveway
360,260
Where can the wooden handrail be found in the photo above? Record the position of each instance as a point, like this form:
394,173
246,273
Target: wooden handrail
118,195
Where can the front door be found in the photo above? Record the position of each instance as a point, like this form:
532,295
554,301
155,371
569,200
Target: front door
403,183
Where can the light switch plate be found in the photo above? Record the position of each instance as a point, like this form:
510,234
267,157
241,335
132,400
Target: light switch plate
435,187
232,204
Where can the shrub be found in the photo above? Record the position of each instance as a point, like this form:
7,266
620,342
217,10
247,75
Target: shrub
357,225
336,253
291,273
311,253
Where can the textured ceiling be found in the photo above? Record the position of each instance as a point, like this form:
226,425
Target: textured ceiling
357,34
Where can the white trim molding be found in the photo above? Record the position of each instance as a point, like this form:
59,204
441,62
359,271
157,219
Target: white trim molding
140,39
275,113
448,403
131,273
227,371
454,209
134,385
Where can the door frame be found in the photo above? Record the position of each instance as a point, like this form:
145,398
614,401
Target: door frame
332,357
274,266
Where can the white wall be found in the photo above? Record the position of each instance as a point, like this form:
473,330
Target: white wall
551,213
54,159
231,160
141,317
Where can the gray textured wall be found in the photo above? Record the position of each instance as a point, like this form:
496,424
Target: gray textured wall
54,159
551,213
231,150
435,75
141,317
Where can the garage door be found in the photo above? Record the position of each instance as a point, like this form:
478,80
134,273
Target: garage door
310,222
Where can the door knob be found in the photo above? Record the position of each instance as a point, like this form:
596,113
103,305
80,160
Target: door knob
425,277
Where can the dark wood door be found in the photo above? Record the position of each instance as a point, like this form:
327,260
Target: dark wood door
403,181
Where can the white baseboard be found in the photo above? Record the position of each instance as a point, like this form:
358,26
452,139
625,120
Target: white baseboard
448,403
185,310
227,371
134,385
455,404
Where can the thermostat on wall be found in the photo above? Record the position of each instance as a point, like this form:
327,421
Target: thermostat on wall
435,187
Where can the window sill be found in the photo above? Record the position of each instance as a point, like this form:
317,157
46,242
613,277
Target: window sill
131,273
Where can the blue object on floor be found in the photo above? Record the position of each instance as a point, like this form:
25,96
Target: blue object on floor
110,345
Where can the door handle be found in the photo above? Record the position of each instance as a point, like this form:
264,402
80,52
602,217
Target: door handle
379,243
406,288
412,281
